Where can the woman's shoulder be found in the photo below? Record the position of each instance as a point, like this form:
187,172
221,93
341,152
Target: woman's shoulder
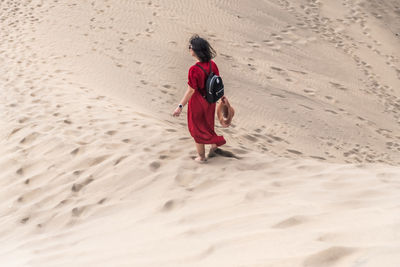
196,68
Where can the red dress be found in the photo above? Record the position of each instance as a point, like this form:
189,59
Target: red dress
201,114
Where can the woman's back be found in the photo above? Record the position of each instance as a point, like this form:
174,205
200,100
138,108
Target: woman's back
197,77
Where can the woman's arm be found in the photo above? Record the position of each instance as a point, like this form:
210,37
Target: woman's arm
185,99
187,96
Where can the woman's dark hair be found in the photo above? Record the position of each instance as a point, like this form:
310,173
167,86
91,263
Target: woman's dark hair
202,48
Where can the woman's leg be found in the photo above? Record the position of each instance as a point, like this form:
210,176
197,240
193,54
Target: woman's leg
213,148
201,151
211,153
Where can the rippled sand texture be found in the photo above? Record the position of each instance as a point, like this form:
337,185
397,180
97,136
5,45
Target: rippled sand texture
94,170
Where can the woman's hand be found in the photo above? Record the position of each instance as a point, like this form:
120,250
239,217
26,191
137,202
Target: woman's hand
177,112
184,101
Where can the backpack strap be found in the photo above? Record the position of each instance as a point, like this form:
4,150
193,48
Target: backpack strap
204,96
202,69
207,74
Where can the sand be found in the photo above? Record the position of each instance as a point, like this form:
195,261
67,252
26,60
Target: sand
95,171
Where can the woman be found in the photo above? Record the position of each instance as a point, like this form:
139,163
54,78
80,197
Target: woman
201,114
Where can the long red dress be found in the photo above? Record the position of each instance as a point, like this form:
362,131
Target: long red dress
201,114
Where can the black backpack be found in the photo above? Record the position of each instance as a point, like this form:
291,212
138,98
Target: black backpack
214,87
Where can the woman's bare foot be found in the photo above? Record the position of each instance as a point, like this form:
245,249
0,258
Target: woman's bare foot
200,159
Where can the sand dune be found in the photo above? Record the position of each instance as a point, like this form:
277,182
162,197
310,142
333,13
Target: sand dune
94,170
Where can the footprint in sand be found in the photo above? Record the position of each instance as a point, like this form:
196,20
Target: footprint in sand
119,160
78,172
307,107
98,160
250,138
294,151
278,95
290,222
171,204
112,132
75,151
77,187
331,111
310,92
155,165
318,157
77,211
328,257
29,138
101,201
20,171
25,220
184,180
